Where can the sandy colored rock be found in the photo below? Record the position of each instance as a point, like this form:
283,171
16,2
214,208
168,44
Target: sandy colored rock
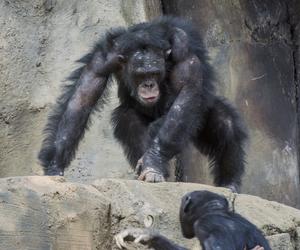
271,216
50,213
281,242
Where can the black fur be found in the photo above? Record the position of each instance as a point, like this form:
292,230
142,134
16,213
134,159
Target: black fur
206,215
187,110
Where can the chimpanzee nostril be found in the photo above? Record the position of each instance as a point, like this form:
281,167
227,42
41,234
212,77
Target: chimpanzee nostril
149,85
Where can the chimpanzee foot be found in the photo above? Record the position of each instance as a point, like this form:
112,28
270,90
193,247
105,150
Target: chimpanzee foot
151,175
148,174
53,170
233,187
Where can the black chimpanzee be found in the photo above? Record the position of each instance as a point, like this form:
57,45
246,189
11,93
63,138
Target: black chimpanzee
204,215
166,100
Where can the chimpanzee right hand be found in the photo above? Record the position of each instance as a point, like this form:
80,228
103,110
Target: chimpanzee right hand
148,173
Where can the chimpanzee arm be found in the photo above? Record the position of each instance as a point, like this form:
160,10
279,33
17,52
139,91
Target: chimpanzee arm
146,237
70,118
161,242
183,118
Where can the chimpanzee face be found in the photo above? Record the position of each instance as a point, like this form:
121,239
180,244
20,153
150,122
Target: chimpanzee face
194,205
145,70
186,218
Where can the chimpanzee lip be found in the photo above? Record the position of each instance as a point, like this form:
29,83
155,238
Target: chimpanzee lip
151,98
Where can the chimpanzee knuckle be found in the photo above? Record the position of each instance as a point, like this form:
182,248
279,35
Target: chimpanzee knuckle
119,238
138,167
158,178
139,239
162,178
144,238
150,177
142,177
153,177
118,243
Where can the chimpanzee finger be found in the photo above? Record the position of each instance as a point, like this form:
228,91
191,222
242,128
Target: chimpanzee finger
143,239
138,168
119,238
154,177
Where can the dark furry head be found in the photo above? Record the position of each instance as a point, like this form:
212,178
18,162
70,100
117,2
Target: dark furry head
196,204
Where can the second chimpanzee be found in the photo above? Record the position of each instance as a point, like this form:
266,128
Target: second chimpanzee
204,215
167,99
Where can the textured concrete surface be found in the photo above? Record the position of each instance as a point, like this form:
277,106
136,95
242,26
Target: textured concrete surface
50,213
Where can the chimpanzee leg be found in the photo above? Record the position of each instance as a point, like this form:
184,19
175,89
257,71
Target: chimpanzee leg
222,138
131,130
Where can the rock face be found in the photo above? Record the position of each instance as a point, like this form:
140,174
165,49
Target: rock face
50,213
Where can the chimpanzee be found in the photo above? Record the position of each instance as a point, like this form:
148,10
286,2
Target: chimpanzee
205,215
167,99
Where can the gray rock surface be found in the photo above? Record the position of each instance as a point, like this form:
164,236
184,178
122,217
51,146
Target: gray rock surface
50,213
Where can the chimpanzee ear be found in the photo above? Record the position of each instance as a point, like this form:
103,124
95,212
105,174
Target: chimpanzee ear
180,48
187,204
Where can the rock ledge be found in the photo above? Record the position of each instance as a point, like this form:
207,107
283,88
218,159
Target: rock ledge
40,212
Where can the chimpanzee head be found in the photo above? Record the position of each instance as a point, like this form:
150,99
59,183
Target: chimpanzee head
149,53
145,71
196,204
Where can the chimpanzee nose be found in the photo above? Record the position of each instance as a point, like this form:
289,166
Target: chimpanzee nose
149,85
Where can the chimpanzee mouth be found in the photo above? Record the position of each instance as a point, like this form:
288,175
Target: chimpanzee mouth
149,99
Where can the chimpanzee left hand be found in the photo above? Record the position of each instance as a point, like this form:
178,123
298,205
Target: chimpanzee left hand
137,235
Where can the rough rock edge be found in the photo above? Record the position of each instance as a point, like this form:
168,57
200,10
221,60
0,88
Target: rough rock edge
59,212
